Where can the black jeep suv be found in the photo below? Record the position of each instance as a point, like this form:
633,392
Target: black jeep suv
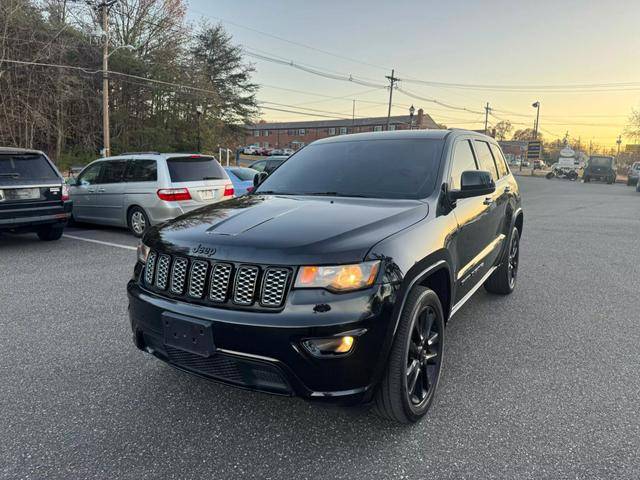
600,168
335,278
33,195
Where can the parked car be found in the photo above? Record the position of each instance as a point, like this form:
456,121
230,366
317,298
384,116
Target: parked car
335,278
288,152
600,167
33,195
633,174
242,179
276,151
269,165
136,190
250,150
537,164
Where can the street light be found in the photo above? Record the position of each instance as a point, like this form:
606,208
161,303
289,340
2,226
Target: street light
199,114
536,105
131,48
411,112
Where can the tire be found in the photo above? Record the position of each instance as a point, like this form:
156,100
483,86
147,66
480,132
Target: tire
50,232
138,221
421,326
572,176
550,175
503,280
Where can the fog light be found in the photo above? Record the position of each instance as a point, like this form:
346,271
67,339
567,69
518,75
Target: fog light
323,347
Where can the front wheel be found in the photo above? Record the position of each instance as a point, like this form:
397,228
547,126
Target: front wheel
503,280
50,232
415,362
550,175
138,221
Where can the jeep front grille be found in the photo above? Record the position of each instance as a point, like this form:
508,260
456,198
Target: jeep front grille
217,283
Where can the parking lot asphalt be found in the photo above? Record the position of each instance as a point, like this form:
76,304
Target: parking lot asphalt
544,383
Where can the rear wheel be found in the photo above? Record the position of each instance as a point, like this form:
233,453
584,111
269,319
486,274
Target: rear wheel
138,221
50,232
415,362
503,280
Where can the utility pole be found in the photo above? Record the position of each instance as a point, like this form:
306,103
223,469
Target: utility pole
486,117
353,117
392,80
104,7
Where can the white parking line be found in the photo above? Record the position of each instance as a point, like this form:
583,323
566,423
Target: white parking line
117,245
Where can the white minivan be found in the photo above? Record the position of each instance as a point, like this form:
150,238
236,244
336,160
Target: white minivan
135,190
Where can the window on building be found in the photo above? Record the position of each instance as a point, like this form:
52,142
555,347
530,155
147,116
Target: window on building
291,132
392,127
343,130
301,131
257,133
266,133
377,128
332,131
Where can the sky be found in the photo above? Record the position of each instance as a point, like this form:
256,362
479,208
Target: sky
495,46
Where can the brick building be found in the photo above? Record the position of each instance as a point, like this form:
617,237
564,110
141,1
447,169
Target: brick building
297,134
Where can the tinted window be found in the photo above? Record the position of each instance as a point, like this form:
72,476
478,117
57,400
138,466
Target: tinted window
485,159
112,171
600,161
272,165
463,160
141,171
26,167
259,166
371,168
191,169
244,174
501,163
90,174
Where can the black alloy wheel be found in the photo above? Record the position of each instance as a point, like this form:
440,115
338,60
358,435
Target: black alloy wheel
423,358
512,261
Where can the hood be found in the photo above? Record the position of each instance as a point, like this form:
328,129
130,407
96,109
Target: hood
286,230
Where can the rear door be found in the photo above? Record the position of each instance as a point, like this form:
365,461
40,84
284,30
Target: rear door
141,184
201,175
84,193
110,192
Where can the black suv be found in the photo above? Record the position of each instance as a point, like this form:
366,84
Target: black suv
33,195
334,280
600,168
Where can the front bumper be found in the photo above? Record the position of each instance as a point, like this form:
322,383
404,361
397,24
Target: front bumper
262,350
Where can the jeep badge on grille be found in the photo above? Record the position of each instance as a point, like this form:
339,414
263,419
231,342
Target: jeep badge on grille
202,251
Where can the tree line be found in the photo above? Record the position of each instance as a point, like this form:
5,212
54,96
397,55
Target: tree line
163,72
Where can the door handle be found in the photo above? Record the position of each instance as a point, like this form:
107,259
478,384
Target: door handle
488,201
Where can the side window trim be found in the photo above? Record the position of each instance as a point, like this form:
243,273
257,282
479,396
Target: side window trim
453,155
497,173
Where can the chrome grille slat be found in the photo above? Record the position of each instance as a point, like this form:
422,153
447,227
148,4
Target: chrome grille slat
178,275
217,283
245,285
220,276
274,285
150,267
162,272
198,278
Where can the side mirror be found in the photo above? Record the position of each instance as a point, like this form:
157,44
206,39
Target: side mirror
259,178
473,183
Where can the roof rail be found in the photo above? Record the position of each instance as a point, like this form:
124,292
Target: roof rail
139,153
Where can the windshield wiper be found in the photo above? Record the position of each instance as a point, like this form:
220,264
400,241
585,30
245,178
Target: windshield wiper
10,175
211,178
273,192
334,194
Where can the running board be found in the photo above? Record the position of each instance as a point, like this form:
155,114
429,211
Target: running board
475,288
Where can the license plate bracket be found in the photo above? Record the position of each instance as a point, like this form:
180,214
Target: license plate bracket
189,334
24,194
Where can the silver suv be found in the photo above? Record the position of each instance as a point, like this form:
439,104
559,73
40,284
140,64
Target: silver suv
136,190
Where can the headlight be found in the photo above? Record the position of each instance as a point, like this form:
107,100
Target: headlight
143,252
341,278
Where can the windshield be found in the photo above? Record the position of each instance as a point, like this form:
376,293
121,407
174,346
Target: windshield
600,161
360,168
191,169
26,167
244,174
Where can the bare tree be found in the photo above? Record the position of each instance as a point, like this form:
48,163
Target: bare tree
632,129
